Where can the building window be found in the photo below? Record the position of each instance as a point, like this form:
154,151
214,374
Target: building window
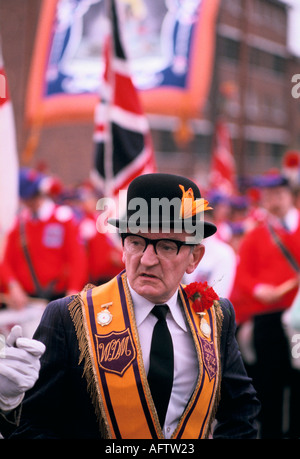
279,64
253,158
277,151
229,48
268,61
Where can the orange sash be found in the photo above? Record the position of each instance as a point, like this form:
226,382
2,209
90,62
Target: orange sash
114,366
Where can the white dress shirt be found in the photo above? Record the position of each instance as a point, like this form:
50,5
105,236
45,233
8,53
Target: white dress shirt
185,356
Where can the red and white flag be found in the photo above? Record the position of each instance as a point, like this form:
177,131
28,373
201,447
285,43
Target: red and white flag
223,169
9,179
122,135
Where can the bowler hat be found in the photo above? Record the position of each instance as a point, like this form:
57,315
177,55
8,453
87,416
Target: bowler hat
164,202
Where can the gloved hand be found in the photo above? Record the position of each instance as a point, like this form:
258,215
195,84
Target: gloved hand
19,367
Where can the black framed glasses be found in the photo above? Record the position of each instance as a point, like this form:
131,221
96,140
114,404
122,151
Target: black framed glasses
164,248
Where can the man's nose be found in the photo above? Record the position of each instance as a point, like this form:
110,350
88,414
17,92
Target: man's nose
149,256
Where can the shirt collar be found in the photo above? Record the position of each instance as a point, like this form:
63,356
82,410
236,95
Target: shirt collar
292,219
142,308
46,210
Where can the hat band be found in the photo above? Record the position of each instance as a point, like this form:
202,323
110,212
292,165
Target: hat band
161,214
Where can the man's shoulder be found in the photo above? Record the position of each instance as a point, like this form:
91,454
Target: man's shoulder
64,302
227,312
226,306
58,311
61,304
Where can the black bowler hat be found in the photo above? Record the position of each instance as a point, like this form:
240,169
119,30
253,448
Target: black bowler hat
157,201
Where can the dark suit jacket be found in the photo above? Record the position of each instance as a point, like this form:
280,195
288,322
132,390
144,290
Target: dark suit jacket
8,421
59,406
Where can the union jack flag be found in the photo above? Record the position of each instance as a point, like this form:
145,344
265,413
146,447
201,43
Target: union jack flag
122,135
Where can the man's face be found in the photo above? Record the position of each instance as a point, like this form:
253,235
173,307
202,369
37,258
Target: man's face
157,278
277,200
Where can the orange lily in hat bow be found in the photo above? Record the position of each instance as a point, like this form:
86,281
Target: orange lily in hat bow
191,206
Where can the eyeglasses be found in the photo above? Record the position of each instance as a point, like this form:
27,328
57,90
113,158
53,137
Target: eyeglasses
164,248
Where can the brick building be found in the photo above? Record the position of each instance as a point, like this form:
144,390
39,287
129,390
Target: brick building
252,52
251,56
252,59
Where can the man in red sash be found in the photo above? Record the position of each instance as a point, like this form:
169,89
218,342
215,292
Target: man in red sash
144,356
266,283
44,255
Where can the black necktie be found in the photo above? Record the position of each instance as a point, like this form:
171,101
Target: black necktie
160,376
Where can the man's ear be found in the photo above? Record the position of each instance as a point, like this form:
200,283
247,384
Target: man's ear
197,254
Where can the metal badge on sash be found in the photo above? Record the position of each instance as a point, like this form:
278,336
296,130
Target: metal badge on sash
204,325
104,317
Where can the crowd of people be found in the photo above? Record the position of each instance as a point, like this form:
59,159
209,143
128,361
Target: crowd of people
256,264
55,249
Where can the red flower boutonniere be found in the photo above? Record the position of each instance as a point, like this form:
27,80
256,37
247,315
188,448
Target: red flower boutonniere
202,295
203,298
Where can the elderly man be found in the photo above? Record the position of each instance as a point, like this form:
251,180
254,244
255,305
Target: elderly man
142,356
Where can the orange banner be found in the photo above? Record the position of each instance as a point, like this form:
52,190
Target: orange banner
171,52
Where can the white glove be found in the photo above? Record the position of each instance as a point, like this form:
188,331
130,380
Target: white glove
19,367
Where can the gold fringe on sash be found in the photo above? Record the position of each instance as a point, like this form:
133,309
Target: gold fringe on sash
76,312
219,324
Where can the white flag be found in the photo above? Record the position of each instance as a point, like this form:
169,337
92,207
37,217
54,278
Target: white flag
8,158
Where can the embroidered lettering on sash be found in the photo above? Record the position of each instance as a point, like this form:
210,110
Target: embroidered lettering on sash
209,357
115,351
